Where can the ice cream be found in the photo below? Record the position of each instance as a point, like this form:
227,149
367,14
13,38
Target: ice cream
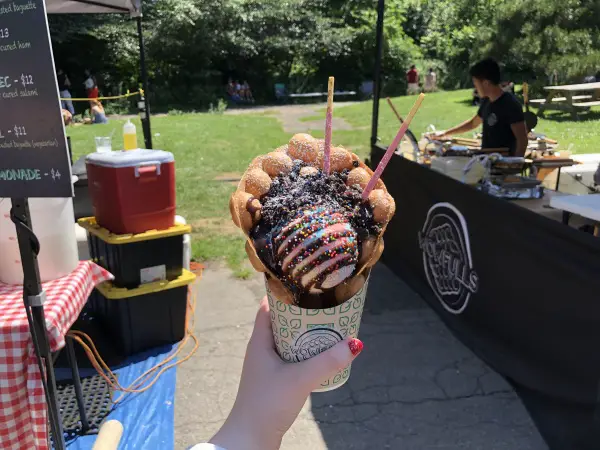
312,233
318,249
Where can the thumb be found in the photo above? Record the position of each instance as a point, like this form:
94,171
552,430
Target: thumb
312,372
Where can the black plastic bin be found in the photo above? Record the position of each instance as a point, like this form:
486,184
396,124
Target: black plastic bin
137,259
152,315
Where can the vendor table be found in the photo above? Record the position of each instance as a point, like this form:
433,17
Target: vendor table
546,165
23,421
518,288
563,98
587,206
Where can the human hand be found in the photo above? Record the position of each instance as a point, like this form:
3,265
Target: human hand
437,135
272,392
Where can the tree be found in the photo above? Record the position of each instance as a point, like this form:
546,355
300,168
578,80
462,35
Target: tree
543,36
194,46
531,39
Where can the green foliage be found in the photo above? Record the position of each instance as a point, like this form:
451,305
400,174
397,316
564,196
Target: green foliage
219,108
194,46
549,35
531,39
120,106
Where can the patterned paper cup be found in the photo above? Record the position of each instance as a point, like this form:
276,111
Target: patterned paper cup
301,333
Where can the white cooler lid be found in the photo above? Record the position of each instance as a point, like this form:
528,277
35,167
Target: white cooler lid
130,158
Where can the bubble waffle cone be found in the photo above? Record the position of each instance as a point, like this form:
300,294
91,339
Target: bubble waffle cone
302,333
307,152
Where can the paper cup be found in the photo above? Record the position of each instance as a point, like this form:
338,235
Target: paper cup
301,333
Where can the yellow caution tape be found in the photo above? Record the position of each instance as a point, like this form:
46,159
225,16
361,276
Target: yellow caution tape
114,97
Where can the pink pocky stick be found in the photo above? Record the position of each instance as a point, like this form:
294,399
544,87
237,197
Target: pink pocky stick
392,148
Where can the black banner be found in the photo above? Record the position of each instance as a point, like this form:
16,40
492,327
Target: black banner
34,161
521,290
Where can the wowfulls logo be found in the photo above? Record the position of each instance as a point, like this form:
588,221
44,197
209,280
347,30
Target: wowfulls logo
447,260
314,341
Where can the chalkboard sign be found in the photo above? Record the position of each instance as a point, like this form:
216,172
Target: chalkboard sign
34,160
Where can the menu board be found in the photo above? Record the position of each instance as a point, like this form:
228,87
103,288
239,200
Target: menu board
34,160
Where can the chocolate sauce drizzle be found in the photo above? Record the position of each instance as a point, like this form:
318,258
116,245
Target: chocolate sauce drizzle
292,193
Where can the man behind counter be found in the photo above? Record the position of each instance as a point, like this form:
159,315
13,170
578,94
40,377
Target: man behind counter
500,112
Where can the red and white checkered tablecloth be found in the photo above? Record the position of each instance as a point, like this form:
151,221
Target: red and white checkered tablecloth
23,419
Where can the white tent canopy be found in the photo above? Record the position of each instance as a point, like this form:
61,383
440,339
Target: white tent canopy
132,7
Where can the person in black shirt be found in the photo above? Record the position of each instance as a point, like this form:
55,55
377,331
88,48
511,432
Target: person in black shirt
63,88
500,112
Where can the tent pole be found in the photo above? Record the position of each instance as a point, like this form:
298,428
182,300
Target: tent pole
34,298
144,73
377,74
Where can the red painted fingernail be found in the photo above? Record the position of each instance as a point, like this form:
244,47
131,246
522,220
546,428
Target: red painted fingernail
355,345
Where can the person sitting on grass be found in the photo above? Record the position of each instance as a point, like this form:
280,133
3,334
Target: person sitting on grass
67,117
247,92
98,115
233,91
500,112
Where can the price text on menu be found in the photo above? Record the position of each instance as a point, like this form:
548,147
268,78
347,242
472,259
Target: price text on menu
34,160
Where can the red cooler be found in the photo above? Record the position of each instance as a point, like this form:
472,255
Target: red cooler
134,191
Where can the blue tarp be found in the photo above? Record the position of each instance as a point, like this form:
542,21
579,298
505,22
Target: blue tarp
148,417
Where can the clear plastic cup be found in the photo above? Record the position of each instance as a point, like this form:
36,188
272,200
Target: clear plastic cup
103,144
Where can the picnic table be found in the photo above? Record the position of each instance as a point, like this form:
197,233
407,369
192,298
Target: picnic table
564,98
587,206
321,94
281,92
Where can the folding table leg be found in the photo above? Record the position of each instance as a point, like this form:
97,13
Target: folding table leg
572,109
85,426
557,180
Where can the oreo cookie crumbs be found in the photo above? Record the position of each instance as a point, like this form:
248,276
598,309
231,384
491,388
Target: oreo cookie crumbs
292,193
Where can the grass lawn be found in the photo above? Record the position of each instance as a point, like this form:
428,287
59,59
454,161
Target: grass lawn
212,151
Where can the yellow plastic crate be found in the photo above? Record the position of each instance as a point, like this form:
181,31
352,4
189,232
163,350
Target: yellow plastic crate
108,290
139,319
90,225
137,259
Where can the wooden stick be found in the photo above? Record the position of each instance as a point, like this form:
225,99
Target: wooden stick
466,141
392,148
328,127
389,100
549,141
